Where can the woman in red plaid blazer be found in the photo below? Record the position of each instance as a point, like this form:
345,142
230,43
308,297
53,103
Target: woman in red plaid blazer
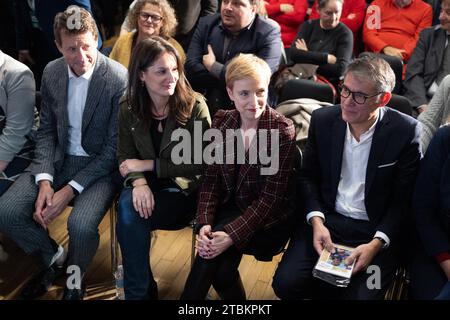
244,206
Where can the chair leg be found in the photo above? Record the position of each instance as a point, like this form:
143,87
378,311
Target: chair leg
193,244
113,235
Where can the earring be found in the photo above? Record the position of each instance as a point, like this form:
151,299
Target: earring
142,83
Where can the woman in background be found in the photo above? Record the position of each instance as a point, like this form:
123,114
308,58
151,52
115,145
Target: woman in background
147,18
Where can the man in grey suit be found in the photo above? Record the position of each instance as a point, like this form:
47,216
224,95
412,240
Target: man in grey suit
74,160
430,62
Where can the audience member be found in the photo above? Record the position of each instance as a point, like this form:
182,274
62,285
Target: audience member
430,270
357,176
353,12
75,157
242,208
220,37
325,42
17,94
392,27
147,18
159,193
435,114
34,28
188,13
430,62
289,14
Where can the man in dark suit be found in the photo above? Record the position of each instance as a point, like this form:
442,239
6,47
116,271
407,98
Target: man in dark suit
74,159
356,180
429,63
220,37
188,13
430,266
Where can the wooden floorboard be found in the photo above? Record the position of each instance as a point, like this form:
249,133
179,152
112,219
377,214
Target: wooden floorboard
170,261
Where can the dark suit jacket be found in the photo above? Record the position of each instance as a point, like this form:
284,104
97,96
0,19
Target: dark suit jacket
391,169
189,11
262,199
262,39
432,195
424,64
99,124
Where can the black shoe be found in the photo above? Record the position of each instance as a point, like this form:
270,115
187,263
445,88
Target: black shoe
74,294
41,282
152,291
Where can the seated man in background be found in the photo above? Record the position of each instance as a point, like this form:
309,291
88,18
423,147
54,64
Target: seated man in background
392,27
430,270
74,159
17,94
220,37
430,61
357,176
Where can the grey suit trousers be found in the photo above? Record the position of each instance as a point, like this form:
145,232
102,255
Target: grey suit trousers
17,207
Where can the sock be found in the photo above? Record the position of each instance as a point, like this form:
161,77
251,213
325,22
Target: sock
59,257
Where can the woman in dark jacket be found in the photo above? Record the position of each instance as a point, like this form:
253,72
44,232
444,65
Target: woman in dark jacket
159,187
325,42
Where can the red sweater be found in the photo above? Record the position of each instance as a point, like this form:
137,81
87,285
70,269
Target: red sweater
356,9
396,27
289,22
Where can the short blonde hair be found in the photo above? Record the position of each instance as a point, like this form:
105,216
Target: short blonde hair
246,66
169,22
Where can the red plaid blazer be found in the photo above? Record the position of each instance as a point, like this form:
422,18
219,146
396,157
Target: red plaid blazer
262,199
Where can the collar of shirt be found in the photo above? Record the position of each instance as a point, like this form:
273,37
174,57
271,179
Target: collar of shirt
87,75
366,136
240,31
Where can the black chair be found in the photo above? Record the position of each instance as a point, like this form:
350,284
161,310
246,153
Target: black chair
302,88
396,65
400,103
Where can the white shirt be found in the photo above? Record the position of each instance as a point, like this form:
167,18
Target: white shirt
76,99
350,194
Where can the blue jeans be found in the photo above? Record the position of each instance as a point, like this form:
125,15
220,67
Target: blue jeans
173,211
445,292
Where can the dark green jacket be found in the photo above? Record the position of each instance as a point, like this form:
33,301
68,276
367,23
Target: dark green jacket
135,142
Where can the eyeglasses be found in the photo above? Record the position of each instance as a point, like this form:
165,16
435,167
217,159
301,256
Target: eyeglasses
358,97
153,17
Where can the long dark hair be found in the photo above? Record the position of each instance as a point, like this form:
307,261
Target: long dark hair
144,55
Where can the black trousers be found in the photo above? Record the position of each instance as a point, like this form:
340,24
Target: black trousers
222,271
293,278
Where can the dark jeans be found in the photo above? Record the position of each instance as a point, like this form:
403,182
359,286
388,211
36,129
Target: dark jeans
173,211
293,278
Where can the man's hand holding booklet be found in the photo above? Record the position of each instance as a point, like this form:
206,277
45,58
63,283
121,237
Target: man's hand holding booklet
332,268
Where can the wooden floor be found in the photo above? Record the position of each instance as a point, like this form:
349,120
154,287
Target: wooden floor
170,261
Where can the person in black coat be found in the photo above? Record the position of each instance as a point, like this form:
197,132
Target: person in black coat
430,269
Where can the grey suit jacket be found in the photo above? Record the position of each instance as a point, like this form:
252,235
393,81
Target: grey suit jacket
424,64
99,124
